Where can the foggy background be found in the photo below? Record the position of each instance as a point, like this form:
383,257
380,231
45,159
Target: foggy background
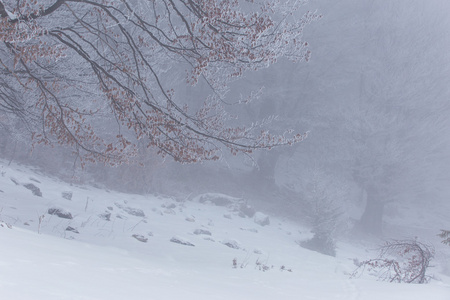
374,100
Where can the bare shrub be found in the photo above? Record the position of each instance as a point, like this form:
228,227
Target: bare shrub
445,235
400,261
259,265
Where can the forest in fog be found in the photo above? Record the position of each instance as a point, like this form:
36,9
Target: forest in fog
225,149
368,103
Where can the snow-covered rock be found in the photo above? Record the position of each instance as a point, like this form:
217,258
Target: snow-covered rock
202,231
181,241
140,238
71,229
246,210
216,199
261,219
34,189
232,243
59,212
131,210
67,195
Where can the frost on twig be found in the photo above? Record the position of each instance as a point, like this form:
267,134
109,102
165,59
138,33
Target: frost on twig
399,261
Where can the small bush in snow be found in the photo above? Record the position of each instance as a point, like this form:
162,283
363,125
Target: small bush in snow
259,265
6,225
41,219
400,261
67,195
235,263
105,216
262,266
445,235
283,268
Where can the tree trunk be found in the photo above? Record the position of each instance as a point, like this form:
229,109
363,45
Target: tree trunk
372,219
13,154
264,174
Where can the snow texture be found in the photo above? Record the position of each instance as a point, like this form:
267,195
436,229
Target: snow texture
132,257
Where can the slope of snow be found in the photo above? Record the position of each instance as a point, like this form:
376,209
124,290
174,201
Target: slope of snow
119,246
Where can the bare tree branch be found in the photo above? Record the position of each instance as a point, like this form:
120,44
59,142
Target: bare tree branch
78,60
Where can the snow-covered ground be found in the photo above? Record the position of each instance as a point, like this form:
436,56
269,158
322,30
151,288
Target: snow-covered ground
109,245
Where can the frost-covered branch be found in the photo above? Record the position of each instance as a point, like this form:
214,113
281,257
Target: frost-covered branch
69,64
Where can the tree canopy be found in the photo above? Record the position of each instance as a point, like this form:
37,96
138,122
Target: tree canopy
98,76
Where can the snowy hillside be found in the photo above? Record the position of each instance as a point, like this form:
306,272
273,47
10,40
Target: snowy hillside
60,241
